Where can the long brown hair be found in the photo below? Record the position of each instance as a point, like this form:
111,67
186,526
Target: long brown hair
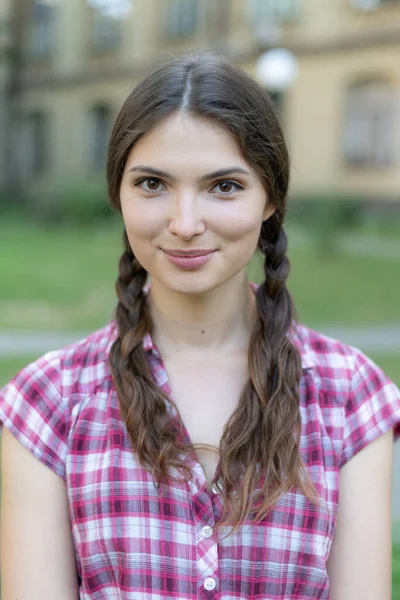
260,443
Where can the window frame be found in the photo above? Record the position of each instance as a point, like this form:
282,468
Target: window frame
174,27
263,12
101,41
372,5
98,147
371,120
33,152
41,33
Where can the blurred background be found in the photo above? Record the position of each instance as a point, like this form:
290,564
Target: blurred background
333,69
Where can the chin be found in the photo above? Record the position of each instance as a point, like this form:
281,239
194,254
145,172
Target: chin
191,283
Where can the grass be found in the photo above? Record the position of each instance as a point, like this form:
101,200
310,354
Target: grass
349,290
64,279
346,289
396,573
57,278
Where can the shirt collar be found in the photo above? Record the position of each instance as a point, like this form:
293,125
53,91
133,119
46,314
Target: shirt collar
308,358
148,343
149,346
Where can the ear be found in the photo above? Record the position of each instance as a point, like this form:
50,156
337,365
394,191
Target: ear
268,211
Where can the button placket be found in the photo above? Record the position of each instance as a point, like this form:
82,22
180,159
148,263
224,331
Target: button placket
210,584
207,531
208,562
206,539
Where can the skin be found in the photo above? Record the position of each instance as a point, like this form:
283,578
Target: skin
360,560
208,313
37,554
186,211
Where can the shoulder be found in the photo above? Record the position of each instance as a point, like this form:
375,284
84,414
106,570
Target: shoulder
79,367
38,404
329,358
83,365
345,379
338,366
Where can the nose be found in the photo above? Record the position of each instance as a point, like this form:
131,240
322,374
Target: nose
184,219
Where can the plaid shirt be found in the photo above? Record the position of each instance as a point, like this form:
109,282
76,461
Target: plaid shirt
138,542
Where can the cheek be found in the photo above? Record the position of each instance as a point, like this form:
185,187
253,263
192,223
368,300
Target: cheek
141,221
241,225
142,226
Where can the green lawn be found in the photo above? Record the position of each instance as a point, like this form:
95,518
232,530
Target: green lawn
396,573
57,278
346,289
64,279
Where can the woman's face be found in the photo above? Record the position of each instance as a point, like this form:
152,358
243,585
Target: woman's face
187,190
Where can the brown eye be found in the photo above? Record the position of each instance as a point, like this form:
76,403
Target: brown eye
150,184
227,187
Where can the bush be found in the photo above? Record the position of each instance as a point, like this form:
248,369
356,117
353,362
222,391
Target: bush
325,216
78,203
12,203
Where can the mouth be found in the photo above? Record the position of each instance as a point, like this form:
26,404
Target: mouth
189,259
188,253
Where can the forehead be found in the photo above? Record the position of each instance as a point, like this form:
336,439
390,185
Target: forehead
183,139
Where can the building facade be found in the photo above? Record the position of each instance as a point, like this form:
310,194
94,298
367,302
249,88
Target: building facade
71,64
5,77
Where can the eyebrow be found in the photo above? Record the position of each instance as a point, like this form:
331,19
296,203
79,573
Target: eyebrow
219,173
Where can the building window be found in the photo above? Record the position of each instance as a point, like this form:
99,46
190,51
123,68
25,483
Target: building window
41,43
100,128
261,12
106,31
218,16
372,4
181,18
371,117
33,150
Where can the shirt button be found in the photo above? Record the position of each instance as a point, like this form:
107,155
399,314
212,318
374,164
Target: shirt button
207,531
210,583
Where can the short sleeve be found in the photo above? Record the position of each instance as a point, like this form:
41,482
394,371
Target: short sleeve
372,408
32,408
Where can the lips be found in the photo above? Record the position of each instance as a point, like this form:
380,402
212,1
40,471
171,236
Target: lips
189,259
188,253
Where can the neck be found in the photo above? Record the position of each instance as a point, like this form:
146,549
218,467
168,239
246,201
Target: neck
220,320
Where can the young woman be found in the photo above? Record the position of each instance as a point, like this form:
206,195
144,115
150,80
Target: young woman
203,444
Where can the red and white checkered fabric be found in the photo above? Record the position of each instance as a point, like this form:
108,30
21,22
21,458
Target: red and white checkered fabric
135,541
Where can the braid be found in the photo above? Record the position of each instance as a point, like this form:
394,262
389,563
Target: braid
280,374
129,288
274,304
142,403
265,429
